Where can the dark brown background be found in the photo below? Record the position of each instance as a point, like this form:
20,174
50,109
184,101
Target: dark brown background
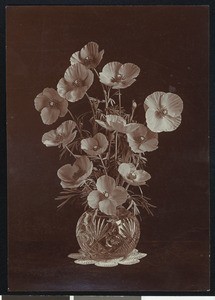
170,44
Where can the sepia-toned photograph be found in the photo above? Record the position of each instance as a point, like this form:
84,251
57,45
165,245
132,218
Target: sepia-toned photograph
107,148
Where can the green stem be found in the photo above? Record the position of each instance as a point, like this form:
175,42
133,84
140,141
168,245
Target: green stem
103,164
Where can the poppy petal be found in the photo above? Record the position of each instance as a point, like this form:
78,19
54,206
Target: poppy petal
104,125
88,145
69,138
63,87
41,101
52,94
102,141
170,123
63,107
154,121
131,127
105,184
65,172
153,101
83,162
90,49
94,198
142,176
106,80
119,195
49,115
89,79
49,139
99,57
70,74
111,69
108,207
134,145
173,103
76,94
125,169
123,84
157,123
75,58
149,145
129,71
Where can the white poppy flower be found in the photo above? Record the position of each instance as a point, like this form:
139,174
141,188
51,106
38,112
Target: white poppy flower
142,140
89,56
107,196
133,176
63,135
119,76
95,145
163,111
72,176
117,123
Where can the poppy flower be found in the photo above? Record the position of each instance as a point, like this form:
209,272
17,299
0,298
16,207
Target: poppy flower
63,135
77,80
95,145
89,56
117,123
107,196
163,111
142,140
119,76
72,176
50,105
133,176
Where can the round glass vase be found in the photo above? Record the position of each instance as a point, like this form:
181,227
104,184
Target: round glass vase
103,237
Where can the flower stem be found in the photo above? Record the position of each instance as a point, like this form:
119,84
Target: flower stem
106,93
94,115
103,164
116,146
70,151
120,102
138,161
75,120
127,186
71,115
87,185
103,87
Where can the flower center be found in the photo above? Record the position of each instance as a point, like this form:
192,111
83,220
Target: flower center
88,59
77,83
133,175
117,78
142,138
95,147
106,194
51,103
164,111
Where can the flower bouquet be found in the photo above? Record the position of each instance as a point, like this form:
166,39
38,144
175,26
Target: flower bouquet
107,150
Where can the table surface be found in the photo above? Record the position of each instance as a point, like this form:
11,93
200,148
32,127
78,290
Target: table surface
169,266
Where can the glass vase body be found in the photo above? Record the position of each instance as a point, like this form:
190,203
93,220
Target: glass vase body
103,237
